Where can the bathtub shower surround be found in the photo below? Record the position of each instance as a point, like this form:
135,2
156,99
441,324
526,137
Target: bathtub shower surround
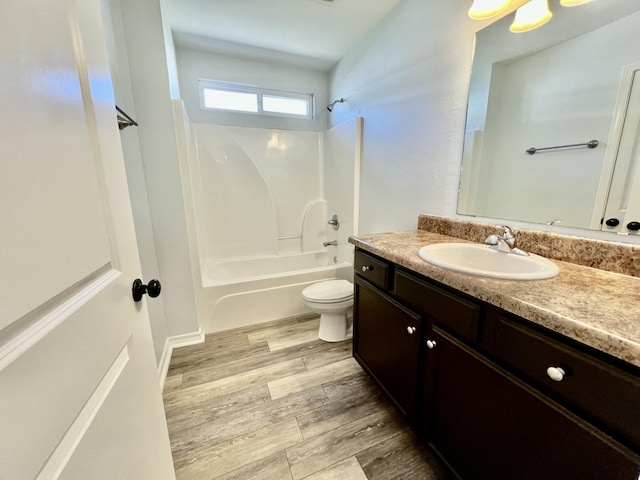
262,209
255,187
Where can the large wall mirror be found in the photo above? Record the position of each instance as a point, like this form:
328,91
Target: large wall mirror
568,82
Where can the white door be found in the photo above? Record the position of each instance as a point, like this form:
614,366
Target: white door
624,197
622,208
79,392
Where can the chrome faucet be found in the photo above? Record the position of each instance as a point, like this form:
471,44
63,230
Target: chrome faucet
333,243
507,242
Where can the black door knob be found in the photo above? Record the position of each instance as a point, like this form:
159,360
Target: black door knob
612,222
139,289
633,226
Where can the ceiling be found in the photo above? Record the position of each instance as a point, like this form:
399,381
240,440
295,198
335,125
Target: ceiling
312,33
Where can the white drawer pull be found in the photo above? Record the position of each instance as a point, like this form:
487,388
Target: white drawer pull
411,330
431,344
366,268
556,373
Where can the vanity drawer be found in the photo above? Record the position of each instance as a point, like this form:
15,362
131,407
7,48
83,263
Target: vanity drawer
375,270
450,311
598,390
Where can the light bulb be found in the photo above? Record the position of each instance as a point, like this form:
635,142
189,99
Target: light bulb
572,3
531,15
483,9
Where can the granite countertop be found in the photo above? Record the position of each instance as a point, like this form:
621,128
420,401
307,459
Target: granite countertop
595,307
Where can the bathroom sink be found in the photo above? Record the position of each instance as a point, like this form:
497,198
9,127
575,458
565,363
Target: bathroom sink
484,261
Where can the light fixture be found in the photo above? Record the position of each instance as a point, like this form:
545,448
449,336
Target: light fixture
572,3
531,15
483,9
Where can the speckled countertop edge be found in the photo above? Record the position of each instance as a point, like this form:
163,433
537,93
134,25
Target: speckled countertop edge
595,307
614,256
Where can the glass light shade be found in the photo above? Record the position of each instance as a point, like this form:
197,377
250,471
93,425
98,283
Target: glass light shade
572,3
531,15
482,9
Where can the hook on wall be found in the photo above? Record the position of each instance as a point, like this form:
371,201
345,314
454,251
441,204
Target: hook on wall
124,120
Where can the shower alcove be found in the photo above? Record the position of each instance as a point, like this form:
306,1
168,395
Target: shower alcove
261,201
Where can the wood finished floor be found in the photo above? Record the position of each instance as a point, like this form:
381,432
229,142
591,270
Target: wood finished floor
273,402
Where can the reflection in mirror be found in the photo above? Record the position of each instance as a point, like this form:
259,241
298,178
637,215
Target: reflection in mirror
567,82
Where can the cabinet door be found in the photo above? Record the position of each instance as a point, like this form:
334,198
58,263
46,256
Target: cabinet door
489,425
386,343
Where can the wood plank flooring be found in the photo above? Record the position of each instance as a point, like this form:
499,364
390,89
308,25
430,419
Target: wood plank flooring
273,402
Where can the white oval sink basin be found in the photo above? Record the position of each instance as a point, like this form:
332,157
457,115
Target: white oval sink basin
483,261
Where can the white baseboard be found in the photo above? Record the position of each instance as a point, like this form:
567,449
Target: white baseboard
176,342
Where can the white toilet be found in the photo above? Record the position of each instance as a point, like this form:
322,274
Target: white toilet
333,300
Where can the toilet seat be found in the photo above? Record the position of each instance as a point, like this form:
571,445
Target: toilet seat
330,291
333,300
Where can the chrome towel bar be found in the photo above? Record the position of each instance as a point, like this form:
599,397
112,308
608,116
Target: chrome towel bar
589,144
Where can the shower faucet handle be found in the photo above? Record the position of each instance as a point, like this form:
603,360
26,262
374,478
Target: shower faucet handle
335,221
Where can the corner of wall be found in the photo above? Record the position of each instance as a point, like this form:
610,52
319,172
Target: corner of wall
144,35
171,344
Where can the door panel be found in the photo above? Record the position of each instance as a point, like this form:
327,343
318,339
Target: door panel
89,460
79,391
52,211
109,435
46,386
624,192
383,345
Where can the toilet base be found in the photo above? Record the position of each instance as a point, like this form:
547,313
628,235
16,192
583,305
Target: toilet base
335,327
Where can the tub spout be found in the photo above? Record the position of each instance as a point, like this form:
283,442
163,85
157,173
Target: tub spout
334,243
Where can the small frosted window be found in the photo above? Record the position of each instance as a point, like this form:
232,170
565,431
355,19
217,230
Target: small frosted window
291,106
251,99
229,100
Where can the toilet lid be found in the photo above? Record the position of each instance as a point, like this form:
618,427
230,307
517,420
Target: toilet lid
329,291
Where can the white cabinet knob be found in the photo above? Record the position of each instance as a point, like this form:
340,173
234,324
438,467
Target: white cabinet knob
365,268
556,373
411,330
431,344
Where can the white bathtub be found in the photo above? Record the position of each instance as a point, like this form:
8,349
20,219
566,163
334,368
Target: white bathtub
249,269
245,291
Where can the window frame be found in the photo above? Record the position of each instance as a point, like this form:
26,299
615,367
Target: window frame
204,84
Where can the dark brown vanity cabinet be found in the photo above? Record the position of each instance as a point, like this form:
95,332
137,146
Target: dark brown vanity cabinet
387,344
604,394
489,424
473,382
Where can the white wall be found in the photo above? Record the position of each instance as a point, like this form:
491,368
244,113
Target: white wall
172,65
341,150
194,64
119,66
151,89
409,79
